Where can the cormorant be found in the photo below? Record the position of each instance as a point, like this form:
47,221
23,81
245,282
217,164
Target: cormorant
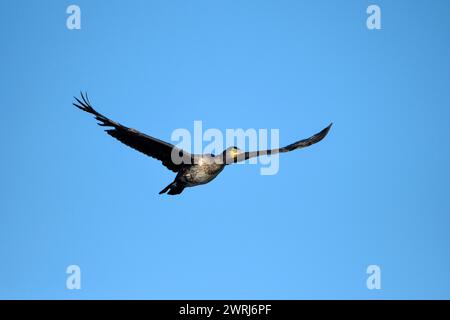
191,169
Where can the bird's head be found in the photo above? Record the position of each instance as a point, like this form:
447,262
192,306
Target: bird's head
230,154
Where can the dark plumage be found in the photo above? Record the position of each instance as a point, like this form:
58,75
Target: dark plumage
192,170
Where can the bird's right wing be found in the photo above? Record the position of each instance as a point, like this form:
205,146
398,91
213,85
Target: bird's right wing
170,156
294,146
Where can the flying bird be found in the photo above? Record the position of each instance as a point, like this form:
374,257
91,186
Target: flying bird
192,169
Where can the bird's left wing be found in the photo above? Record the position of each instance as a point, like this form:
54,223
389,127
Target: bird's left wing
139,141
296,145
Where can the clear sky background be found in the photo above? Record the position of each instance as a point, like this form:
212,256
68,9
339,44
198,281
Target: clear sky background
375,191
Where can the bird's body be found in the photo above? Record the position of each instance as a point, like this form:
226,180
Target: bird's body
192,170
195,174
203,172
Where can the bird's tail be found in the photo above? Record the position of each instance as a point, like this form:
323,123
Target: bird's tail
173,188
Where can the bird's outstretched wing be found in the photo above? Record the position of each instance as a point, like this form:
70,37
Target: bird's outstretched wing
296,145
139,141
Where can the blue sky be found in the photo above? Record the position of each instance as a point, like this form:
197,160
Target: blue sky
375,191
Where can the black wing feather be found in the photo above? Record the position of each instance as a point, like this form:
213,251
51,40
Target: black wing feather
139,141
296,145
